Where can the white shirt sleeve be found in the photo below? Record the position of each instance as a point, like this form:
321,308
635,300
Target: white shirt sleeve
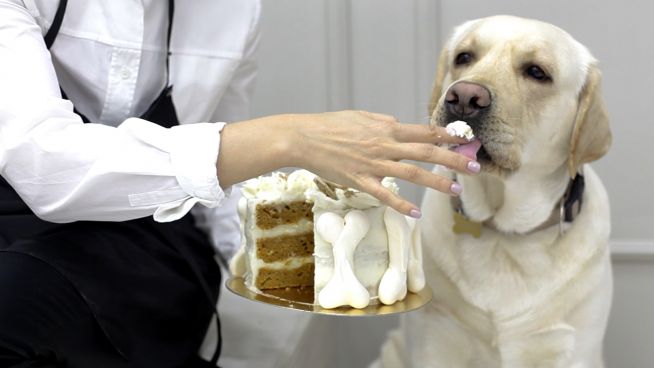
222,223
66,170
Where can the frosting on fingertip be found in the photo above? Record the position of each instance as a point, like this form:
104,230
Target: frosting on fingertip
460,129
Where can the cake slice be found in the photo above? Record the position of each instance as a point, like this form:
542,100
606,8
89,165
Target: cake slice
277,231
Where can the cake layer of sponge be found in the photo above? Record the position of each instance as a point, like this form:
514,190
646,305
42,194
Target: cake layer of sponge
286,246
269,216
281,278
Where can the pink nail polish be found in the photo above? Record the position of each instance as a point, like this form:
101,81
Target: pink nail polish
415,213
456,188
474,167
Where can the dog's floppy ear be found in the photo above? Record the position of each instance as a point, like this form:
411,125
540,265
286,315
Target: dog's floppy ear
441,73
591,135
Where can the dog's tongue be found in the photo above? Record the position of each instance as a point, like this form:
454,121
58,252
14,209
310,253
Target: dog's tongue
469,149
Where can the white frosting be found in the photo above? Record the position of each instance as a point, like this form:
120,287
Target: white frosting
345,234
460,129
237,264
279,186
299,181
300,185
346,199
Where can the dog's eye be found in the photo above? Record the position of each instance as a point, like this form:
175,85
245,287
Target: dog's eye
463,58
535,72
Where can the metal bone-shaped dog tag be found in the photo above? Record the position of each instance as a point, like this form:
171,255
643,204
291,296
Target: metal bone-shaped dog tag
462,225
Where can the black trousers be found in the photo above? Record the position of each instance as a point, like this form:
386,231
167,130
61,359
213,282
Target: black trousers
44,322
99,294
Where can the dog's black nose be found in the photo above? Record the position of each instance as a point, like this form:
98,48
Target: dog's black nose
466,100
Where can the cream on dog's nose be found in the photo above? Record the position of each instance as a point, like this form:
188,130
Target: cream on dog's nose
466,100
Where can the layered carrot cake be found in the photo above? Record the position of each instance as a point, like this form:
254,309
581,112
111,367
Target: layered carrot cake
301,231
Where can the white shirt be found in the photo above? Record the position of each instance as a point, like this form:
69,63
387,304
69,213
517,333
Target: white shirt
109,57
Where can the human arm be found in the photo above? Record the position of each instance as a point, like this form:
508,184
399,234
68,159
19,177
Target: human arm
352,148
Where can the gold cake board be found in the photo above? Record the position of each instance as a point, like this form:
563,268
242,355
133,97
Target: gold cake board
301,299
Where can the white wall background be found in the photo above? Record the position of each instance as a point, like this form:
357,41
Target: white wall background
380,55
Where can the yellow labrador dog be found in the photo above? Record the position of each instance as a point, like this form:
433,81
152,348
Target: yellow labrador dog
519,265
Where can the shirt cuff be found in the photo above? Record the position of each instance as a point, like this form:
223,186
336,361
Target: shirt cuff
193,156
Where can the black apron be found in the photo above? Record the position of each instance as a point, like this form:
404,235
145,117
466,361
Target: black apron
152,287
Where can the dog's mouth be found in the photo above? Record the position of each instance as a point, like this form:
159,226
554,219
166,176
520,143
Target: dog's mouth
470,150
483,156
493,146
476,150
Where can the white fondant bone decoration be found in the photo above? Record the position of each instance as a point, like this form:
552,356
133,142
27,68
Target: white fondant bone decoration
344,234
393,285
416,274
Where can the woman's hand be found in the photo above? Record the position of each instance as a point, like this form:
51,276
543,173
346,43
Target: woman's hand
353,148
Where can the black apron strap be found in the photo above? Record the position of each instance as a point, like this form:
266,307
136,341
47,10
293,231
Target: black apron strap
171,12
50,37
162,110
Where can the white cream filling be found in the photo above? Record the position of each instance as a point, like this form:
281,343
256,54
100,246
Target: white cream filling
289,263
300,227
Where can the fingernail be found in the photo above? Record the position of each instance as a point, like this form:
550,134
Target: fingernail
415,213
456,188
474,167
